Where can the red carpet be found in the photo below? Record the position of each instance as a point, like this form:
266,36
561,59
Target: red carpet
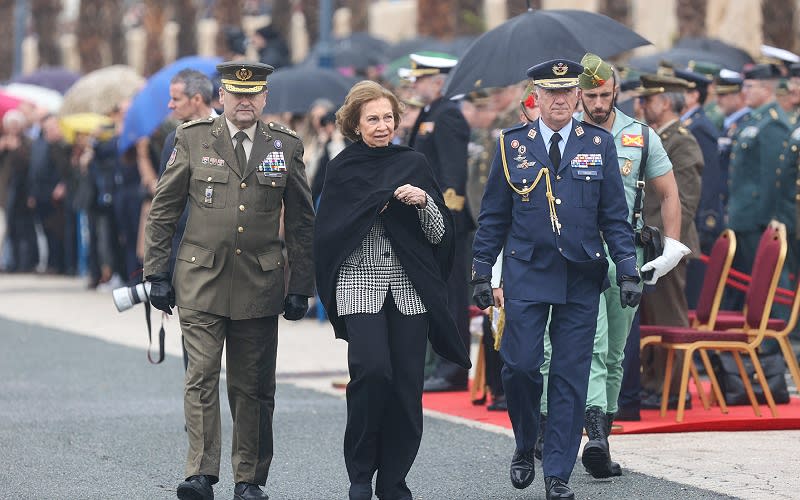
739,418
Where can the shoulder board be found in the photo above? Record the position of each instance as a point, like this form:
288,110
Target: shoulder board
280,128
773,113
683,131
192,123
518,126
593,126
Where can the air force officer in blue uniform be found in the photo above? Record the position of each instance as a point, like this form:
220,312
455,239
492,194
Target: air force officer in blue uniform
554,186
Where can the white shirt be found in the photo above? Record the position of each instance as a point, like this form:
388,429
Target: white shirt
248,143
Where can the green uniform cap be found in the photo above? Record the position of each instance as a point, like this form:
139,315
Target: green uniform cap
243,77
705,68
658,84
596,72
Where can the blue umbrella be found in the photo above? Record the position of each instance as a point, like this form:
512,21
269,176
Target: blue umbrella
149,107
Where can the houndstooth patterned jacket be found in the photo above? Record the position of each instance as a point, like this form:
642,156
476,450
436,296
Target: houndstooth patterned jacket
371,270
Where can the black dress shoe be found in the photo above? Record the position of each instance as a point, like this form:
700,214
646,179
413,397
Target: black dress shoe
196,488
556,488
498,404
439,384
522,469
653,402
248,491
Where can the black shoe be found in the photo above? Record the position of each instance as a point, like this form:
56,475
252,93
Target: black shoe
554,487
614,467
196,488
498,404
439,384
360,491
653,402
539,445
522,470
595,456
628,414
248,491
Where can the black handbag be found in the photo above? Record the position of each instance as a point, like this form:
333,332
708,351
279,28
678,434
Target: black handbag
649,237
731,384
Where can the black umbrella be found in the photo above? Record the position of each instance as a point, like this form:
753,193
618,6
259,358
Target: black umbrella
456,46
358,50
694,49
500,57
294,89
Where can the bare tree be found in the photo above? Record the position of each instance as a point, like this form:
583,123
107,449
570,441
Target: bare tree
44,14
90,35
6,39
310,10
778,28
618,10
436,18
228,14
470,20
153,20
359,10
517,7
691,16
115,33
186,16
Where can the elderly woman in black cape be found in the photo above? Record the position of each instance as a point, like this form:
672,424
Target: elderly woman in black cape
383,251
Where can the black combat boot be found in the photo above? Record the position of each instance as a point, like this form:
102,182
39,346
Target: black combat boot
595,454
616,470
539,445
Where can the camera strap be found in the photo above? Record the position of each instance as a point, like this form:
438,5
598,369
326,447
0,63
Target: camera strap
161,335
637,204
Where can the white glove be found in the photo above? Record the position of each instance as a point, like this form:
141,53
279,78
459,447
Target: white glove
673,252
497,270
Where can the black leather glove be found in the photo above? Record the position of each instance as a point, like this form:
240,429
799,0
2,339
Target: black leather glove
295,307
482,292
629,292
162,295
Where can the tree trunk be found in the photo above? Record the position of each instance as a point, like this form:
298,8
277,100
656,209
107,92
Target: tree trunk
436,18
691,16
115,31
517,7
470,19
90,39
186,16
778,23
228,14
310,10
44,14
618,10
359,11
153,21
6,39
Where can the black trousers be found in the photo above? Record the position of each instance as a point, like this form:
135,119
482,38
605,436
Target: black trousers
386,357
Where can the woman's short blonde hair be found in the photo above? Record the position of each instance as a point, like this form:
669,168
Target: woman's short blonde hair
349,114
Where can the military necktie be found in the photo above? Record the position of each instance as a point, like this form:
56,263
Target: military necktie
241,156
555,153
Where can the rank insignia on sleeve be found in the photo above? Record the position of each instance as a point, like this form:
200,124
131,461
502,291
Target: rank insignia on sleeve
579,131
532,134
172,156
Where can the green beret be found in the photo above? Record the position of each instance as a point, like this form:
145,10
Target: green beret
596,72
705,68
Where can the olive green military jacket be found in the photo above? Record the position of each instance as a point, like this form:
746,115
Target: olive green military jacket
230,261
687,165
757,185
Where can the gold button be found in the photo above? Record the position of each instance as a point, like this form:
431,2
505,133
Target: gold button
209,179
797,197
243,185
273,183
558,201
238,252
781,157
241,208
240,229
194,258
794,148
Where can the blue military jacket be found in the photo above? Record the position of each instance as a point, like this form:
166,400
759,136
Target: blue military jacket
710,211
588,198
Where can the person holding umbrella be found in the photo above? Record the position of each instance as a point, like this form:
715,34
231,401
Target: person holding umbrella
554,185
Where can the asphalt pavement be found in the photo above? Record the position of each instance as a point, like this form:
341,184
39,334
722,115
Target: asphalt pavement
83,415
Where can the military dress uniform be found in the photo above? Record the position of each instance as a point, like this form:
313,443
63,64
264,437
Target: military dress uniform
548,220
731,126
442,134
229,274
758,185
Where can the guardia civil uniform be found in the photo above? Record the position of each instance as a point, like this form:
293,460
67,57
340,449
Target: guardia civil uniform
547,219
758,185
229,274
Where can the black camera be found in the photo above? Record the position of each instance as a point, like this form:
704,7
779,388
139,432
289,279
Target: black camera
126,297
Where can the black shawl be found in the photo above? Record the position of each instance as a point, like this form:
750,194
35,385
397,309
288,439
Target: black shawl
358,183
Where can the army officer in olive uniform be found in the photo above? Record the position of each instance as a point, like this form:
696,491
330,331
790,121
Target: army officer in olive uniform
237,174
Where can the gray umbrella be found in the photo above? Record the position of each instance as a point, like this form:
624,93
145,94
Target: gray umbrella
501,56
294,89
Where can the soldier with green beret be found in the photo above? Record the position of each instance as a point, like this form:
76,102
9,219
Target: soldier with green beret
238,175
599,88
760,188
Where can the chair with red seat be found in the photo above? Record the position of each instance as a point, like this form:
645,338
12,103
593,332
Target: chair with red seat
760,296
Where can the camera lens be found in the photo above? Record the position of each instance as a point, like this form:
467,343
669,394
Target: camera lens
128,296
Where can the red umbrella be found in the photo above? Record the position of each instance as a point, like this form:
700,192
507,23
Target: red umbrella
7,102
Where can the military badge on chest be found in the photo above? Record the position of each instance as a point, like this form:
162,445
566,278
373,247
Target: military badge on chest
207,160
521,158
273,165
